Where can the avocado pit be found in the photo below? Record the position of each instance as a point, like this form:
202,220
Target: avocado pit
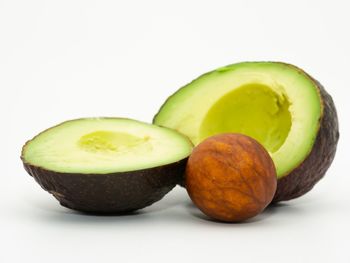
230,177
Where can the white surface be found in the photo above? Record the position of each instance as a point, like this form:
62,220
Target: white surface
66,59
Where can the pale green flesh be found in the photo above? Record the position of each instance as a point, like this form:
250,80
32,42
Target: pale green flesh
254,110
113,142
105,145
274,103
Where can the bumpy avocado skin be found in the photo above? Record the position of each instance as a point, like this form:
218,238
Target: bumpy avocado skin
109,193
303,178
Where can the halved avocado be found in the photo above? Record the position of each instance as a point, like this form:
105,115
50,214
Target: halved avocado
278,104
107,165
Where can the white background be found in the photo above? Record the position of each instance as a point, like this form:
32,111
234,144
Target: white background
61,60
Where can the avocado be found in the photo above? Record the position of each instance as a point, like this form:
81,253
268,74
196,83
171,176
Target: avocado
278,104
107,165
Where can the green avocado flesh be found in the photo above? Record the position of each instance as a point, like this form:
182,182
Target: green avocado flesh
275,103
269,126
105,145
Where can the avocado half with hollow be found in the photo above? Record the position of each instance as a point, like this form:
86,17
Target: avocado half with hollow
277,104
107,165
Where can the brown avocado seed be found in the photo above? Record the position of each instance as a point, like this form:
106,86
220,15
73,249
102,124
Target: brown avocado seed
230,177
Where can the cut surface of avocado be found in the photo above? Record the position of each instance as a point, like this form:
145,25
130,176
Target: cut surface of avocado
275,103
105,145
255,110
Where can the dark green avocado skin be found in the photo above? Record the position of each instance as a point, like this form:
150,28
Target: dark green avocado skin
303,178
109,193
